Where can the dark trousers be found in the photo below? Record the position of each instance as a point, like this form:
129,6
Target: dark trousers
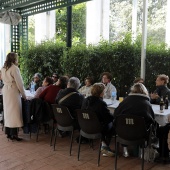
11,131
162,134
107,133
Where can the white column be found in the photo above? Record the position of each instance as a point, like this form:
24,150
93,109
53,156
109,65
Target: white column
167,35
51,24
144,37
105,19
134,19
4,42
2,39
45,26
97,20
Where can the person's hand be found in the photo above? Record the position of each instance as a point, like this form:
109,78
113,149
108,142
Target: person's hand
154,96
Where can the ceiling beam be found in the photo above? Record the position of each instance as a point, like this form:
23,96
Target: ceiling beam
30,7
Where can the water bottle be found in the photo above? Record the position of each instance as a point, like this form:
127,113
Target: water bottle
113,97
32,89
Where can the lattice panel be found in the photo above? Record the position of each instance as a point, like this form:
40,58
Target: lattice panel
26,8
47,6
30,7
15,40
24,32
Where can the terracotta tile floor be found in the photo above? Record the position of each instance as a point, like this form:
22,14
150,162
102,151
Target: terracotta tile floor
31,155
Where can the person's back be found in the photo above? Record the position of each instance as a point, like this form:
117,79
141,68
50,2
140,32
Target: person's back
137,103
96,104
74,101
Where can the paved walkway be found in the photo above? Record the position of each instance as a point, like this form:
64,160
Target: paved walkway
31,155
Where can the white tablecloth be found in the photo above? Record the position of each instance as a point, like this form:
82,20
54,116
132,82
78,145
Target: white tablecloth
161,118
29,95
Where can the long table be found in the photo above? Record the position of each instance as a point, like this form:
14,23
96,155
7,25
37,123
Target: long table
161,118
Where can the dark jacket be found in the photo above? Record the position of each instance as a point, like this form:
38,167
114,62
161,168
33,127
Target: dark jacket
162,91
40,111
136,104
98,106
73,102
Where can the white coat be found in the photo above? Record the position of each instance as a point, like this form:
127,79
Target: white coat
12,90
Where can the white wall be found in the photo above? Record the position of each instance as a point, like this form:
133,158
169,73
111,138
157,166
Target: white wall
97,20
167,36
5,46
45,24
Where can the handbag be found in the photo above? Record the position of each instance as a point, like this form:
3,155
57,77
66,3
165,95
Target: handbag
150,154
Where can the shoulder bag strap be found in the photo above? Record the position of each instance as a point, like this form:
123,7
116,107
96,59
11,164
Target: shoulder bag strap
65,97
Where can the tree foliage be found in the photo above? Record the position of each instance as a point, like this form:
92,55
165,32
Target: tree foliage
78,23
121,19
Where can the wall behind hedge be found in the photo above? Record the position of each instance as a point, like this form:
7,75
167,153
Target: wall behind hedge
121,59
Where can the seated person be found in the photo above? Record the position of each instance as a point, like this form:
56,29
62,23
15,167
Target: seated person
162,132
96,104
136,103
109,88
46,82
50,93
161,89
74,101
138,80
86,90
37,81
55,77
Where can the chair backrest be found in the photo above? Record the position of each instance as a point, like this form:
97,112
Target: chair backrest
62,115
88,121
40,110
130,127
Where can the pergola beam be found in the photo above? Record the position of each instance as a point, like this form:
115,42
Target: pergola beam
31,7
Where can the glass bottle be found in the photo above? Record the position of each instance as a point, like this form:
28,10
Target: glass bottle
166,102
161,105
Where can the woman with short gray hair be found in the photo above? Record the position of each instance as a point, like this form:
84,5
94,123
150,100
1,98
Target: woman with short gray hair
74,82
70,97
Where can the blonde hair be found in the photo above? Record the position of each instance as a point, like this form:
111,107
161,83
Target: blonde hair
164,77
97,89
139,88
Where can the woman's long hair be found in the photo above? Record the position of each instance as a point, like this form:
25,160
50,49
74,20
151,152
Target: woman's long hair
11,58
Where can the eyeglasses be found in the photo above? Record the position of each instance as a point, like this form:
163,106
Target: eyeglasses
55,77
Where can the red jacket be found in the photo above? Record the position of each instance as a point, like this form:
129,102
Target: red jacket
50,93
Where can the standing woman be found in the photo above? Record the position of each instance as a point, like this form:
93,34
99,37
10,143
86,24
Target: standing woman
12,90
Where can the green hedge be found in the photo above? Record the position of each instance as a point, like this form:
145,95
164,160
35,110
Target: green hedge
121,59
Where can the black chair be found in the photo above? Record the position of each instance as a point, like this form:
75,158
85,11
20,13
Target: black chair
130,130
90,128
40,113
64,123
